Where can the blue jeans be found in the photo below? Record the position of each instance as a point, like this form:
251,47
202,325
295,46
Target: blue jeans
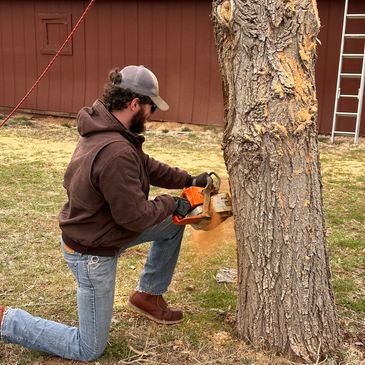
95,276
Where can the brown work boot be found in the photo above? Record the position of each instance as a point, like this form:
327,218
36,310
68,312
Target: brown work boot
2,311
154,307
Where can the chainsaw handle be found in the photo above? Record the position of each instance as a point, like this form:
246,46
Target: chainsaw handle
211,188
210,182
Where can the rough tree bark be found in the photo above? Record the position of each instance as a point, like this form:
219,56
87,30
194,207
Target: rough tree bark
266,51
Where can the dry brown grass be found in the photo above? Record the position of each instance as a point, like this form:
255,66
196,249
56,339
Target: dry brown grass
33,275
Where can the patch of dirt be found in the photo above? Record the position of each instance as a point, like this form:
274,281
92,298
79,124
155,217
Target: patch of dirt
340,144
173,126
40,120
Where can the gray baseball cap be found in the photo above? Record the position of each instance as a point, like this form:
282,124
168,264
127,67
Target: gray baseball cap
142,81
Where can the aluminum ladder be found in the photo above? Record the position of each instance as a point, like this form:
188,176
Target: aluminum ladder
341,75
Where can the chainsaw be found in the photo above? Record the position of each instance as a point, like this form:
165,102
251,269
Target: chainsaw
209,207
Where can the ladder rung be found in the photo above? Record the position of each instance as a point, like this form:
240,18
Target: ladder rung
349,96
350,76
355,16
346,114
343,132
354,35
352,55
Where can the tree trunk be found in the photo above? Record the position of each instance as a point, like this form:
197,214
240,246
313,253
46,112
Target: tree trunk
266,51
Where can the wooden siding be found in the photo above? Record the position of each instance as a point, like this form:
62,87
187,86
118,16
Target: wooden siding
21,60
173,38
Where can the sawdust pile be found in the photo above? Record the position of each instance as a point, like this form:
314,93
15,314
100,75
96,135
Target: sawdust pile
207,242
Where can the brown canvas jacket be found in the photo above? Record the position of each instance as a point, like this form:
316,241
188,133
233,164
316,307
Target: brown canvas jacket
107,184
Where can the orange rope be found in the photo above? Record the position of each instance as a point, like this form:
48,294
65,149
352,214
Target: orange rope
50,63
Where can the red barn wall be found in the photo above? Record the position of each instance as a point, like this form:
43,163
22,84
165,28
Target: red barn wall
173,38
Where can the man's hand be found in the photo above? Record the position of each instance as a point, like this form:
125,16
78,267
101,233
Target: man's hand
199,180
183,206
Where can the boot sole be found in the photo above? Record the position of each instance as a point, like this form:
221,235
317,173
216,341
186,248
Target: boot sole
149,316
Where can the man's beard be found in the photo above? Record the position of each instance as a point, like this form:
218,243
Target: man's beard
138,122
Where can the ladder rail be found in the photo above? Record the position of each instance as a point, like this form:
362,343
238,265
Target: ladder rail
339,70
360,102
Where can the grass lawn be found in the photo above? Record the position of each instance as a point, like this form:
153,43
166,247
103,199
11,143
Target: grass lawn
33,275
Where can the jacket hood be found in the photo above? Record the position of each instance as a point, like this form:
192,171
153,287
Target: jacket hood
97,119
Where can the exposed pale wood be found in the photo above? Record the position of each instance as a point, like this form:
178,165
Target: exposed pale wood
266,50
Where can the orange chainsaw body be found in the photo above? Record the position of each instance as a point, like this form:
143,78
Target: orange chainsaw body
195,195
206,203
